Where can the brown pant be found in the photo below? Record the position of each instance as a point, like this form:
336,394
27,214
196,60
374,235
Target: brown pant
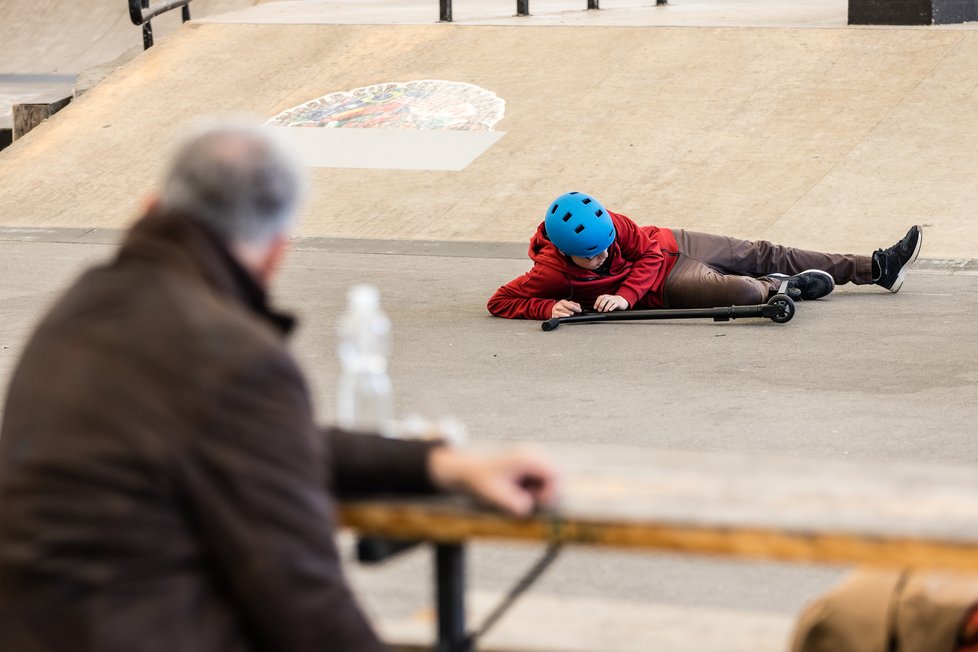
715,270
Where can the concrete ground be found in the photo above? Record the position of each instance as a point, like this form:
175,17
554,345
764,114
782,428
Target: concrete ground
863,374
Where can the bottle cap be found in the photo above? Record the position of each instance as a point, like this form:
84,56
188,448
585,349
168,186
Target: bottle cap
364,296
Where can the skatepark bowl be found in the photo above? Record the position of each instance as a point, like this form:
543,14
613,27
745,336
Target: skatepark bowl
432,150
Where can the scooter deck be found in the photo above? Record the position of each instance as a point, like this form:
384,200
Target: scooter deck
780,309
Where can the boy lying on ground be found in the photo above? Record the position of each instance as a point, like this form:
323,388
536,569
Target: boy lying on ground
586,257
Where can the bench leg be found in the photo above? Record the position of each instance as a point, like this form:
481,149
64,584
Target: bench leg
450,583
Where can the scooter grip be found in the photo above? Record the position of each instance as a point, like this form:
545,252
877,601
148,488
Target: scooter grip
550,324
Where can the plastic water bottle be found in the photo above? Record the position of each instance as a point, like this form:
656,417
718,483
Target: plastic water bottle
364,392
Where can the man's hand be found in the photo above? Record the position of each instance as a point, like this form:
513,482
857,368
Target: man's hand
565,308
609,302
517,481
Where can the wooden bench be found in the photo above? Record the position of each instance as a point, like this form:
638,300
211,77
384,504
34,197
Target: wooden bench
892,515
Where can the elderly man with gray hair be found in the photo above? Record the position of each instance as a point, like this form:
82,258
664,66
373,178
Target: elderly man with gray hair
163,485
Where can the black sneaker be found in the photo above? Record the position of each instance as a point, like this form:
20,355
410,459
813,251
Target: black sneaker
810,285
794,293
891,265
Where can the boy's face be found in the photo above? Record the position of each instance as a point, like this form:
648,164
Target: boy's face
593,262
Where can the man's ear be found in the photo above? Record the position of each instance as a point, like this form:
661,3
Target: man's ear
271,261
150,203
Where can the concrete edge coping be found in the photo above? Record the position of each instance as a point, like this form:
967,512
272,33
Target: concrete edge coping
389,247
437,248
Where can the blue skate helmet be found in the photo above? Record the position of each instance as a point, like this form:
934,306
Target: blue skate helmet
579,225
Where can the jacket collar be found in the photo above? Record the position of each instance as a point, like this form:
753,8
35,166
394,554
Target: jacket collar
190,247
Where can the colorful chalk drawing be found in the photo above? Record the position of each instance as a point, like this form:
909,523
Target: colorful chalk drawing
426,104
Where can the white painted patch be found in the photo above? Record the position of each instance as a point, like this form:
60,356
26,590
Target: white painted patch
426,124
426,104
388,149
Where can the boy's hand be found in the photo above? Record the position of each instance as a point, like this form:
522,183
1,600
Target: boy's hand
609,302
565,308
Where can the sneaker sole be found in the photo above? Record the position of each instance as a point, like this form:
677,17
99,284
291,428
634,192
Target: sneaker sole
898,283
827,277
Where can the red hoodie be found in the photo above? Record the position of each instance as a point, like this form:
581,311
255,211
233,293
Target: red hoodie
638,262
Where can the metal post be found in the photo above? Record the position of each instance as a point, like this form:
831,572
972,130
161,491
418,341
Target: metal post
450,597
522,7
592,4
147,28
446,11
661,2
185,13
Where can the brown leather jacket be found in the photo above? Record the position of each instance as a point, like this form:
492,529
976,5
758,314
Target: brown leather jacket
162,483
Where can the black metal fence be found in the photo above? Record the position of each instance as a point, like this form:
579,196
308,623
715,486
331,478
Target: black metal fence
522,8
141,12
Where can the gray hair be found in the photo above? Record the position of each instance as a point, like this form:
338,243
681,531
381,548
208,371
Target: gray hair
236,178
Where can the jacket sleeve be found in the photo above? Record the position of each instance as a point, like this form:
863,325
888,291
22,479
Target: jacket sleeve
530,296
362,463
255,487
646,257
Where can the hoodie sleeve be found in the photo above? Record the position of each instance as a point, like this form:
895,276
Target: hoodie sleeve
530,296
644,253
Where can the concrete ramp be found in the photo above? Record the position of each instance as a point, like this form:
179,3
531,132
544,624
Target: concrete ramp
46,44
830,138
65,38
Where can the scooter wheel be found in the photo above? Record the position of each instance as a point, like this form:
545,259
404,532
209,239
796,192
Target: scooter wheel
786,308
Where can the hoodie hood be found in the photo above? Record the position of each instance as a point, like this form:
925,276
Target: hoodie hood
544,252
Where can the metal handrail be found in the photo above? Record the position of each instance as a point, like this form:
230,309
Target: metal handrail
522,8
141,12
